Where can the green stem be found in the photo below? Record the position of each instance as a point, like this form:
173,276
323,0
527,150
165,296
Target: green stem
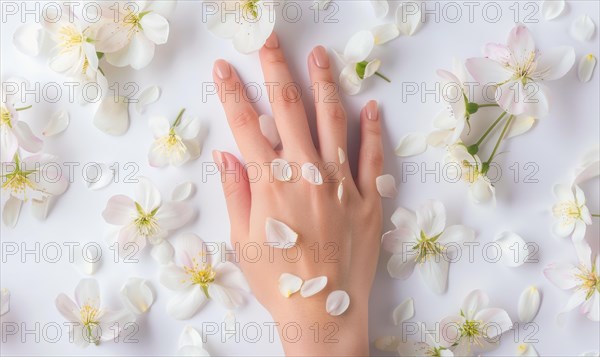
489,130
502,134
596,215
487,105
178,120
382,76
23,108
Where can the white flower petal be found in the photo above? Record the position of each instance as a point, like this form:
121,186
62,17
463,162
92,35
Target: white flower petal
253,34
88,259
494,317
4,301
385,33
65,306
586,67
186,303
526,349
400,266
371,68
340,190
87,292
590,354
148,96
583,28
411,144
147,195
475,301
137,295
163,252
269,130
57,124
313,286
27,140
515,251
190,337
562,275
337,302
11,211
555,62
408,18
349,80
387,343
435,273
551,9
529,304
28,39
311,173
341,156
183,191
403,312
155,28
359,46
386,186
229,298
231,326
457,233
431,218
380,7
281,170
173,277
520,125
98,176
279,235
321,4
138,54
112,116
289,284
39,208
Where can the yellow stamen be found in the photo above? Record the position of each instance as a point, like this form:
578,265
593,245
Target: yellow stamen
427,247
90,318
6,117
201,274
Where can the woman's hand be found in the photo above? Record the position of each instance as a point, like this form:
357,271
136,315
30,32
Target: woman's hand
338,239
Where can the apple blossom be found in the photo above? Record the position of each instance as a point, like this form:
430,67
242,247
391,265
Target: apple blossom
89,322
144,218
470,169
15,133
248,23
198,275
571,213
174,144
420,240
36,177
477,328
517,70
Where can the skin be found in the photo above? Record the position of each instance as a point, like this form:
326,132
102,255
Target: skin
337,239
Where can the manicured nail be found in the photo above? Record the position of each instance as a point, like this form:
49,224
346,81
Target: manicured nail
321,57
218,158
272,41
222,69
371,109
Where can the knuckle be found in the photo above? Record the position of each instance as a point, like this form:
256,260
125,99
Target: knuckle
241,119
336,114
287,95
372,129
373,157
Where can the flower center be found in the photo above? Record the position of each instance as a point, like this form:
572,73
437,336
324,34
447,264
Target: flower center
17,181
90,317
172,145
471,330
434,351
589,281
202,275
250,9
6,117
69,38
523,70
133,21
146,222
427,247
568,212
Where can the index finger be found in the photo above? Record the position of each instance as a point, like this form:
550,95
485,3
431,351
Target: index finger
241,116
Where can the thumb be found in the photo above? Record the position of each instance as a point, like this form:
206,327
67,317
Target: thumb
237,192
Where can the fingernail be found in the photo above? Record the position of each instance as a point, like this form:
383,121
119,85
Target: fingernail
321,57
218,158
272,41
222,69
371,109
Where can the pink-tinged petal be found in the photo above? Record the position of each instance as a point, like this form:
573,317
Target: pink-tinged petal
511,97
398,240
495,322
112,116
487,71
186,303
563,275
115,322
431,218
8,144
449,332
435,273
497,52
111,37
130,241
228,275
27,140
521,43
554,63
11,211
156,28
474,302
157,157
535,100
119,210
189,246
138,54
400,266
67,308
173,215
173,277
147,195
87,292
591,308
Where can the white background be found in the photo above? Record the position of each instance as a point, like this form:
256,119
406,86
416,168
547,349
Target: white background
182,66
